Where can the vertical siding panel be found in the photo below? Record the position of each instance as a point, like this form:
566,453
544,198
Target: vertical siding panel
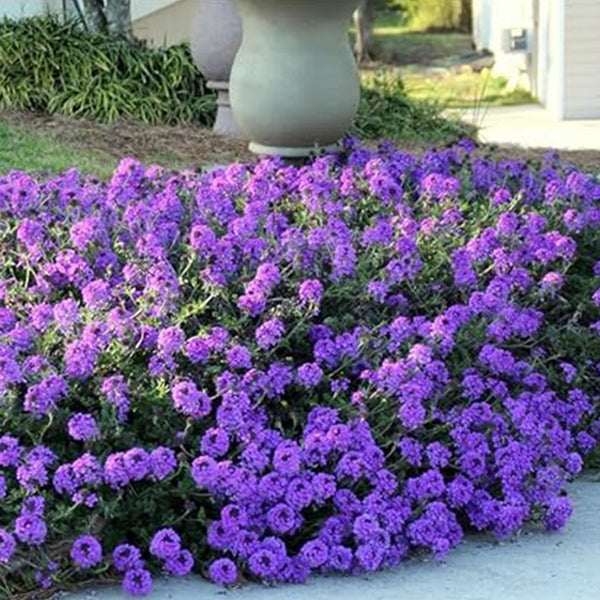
582,59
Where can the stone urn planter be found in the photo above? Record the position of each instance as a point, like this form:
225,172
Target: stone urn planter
294,83
216,38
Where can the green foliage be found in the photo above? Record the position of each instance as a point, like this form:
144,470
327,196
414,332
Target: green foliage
387,112
437,15
57,67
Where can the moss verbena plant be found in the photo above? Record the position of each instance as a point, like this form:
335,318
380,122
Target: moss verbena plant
268,371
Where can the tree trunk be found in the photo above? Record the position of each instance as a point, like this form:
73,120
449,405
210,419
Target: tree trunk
364,19
466,16
95,20
118,19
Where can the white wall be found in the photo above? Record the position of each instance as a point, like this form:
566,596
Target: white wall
551,55
15,9
482,24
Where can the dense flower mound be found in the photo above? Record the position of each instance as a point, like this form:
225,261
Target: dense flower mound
266,371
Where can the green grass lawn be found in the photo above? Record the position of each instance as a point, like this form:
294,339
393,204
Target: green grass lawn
36,153
465,90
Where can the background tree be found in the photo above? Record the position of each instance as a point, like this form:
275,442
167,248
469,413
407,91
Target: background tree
364,20
437,15
109,16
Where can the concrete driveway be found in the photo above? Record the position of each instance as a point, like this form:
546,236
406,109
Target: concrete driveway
531,126
534,566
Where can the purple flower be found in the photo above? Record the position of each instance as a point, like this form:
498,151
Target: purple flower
10,451
115,471
162,462
558,512
264,563
80,359
437,528
315,553
165,544
269,334
43,397
239,357
8,545
370,555
340,559
126,557
66,314
97,295
137,463
116,390
501,196
83,427
30,529
86,552
411,451
282,519
286,458
299,493
170,340
311,292
197,349
181,564
234,516
137,582
309,375
215,442
437,454
189,401
33,505
223,572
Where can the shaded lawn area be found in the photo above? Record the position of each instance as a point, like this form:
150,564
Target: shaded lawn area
396,44
407,54
52,144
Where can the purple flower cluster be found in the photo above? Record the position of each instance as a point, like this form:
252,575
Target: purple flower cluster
271,370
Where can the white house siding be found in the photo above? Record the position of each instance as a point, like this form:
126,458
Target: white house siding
142,8
171,24
582,59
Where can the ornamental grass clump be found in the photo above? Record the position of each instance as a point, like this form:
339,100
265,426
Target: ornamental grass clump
268,371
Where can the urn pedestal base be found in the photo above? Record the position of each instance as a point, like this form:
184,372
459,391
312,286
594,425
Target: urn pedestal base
290,152
216,37
225,123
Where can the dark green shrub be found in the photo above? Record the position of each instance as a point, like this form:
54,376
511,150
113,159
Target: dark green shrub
58,67
387,112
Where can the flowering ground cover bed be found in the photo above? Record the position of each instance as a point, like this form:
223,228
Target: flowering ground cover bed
268,371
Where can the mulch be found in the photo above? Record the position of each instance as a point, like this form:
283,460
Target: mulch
193,146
